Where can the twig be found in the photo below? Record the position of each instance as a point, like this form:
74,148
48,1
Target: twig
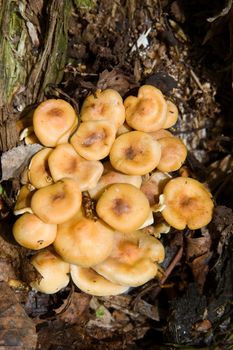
197,81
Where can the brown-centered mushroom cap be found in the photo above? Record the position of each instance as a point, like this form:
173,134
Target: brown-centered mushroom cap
38,173
124,207
52,119
93,139
148,111
106,104
65,162
84,242
92,283
57,203
54,272
187,202
32,233
135,153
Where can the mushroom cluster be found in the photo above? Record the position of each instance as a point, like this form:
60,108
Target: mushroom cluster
121,154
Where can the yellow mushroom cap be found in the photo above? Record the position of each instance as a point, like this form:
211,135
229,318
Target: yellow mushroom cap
133,259
32,233
65,162
52,119
57,203
83,242
135,153
172,115
123,207
106,104
159,134
93,139
148,111
187,202
173,154
38,173
54,272
92,283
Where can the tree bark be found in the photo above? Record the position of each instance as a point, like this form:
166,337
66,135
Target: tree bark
33,47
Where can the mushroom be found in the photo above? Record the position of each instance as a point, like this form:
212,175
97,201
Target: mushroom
83,242
106,104
148,111
93,139
54,272
51,121
38,171
172,115
64,162
110,177
123,129
23,202
135,153
152,186
92,283
173,154
133,260
187,202
123,206
57,203
32,233
159,134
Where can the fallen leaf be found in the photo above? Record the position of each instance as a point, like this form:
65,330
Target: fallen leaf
117,80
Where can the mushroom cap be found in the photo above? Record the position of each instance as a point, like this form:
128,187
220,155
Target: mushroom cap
112,177
132,261
153,185
23,202
83,242
106,104
173,154
52,119
187,202
92,283
148,111
94,138
65,162
32,233
123,207
54,272
38,172
123,129
135,153
172,115
159,134
57,203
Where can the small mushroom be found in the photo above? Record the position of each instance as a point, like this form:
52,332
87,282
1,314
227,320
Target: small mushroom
65,162
135,153
83,242
93,139
148,111
172,115
32,233
187,202
104,105
54,272
152,186
38,172
111,177
159,134
57,203
92,283
173,154
51,121
133,260
124,207
23,202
